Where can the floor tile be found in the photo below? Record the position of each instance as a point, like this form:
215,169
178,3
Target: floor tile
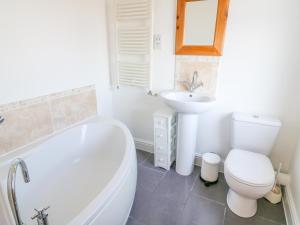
142,156
271,211
162,211
232,219
141,203
132,221
175,186
201,211
167,198
216,192
148,178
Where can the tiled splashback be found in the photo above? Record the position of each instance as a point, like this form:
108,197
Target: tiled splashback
29,120
207,68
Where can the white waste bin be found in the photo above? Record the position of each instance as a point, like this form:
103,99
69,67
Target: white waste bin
210,167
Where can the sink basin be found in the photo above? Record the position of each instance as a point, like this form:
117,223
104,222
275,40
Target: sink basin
189,106
186,102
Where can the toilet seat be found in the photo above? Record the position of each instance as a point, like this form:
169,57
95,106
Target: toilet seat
250,168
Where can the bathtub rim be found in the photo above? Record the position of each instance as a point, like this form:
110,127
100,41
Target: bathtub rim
89,212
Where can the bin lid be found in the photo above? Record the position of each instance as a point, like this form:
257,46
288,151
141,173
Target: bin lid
211,158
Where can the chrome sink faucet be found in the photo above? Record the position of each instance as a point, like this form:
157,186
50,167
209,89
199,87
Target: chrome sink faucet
11,187
193,85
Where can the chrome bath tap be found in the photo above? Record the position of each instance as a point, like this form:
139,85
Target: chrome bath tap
193,85
1,119
41,216
11,187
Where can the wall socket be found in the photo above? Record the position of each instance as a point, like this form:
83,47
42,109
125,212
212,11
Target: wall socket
156,41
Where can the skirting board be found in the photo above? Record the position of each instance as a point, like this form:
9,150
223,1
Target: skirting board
144,145
148,146
290,207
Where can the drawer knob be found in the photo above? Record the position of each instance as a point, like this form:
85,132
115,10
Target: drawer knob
160,135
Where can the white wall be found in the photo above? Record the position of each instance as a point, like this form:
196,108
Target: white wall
258,73
53,45
295,181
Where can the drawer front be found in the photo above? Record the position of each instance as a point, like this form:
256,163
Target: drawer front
160,122
160,136
162,159
162,149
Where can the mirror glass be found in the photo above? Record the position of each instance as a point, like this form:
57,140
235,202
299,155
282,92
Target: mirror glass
200,22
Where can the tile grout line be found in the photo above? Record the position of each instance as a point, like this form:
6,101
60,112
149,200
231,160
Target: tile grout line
211,200
160,181
190,192
140,223
269,220
224,215
194,182
153,169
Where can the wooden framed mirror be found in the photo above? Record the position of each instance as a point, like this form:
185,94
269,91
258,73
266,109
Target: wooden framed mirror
201,26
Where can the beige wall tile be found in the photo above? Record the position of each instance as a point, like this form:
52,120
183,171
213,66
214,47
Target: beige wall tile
30,119
24,125
207,69
74,108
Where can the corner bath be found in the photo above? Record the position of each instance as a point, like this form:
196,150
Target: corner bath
86,174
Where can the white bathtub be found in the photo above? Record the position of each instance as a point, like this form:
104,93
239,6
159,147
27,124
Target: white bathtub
86,174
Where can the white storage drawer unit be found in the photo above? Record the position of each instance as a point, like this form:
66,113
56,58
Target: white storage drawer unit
165,122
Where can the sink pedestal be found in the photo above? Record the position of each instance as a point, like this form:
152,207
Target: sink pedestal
189,106
186,143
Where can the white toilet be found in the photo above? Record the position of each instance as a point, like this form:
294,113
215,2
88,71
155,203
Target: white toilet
248,171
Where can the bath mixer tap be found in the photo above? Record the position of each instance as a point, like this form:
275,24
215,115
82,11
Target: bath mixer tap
1,119
11,187
193,85
41,216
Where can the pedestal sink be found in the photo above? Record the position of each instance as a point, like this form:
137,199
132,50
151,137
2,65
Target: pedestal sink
189,106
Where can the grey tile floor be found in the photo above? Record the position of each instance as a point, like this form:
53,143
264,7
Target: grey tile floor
166,198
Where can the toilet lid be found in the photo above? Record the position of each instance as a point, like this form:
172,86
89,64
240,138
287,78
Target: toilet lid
250,168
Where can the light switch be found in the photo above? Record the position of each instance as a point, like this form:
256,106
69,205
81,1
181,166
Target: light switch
156,41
